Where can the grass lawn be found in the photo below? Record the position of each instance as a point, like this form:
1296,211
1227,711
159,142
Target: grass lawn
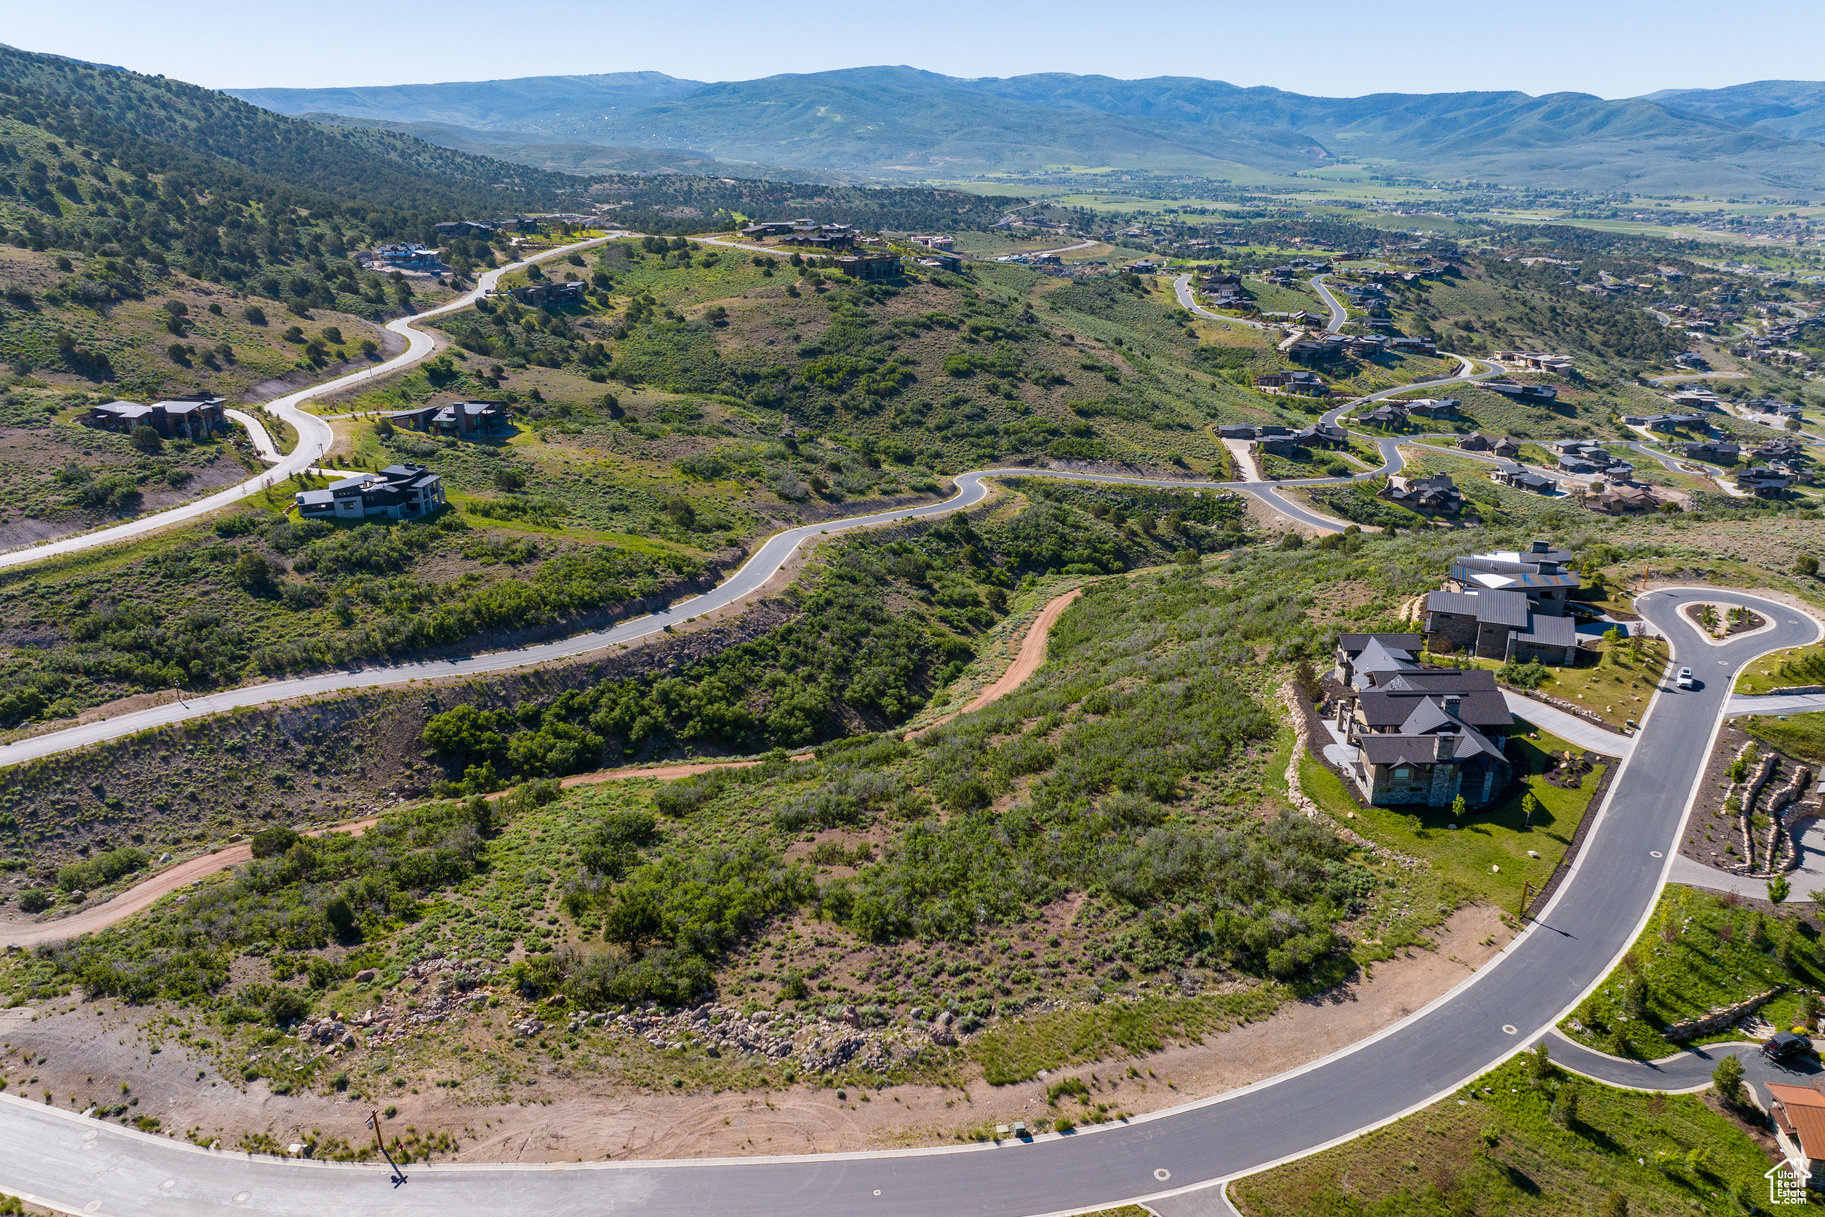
1614,687
1698,953
1493,837
1800,736
1494,1148
1799,666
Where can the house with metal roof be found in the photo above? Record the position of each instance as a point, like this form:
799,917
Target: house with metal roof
1541,571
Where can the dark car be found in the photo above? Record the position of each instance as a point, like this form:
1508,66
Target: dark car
1786,1046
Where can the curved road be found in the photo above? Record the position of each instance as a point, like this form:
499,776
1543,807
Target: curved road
314,434
56,1158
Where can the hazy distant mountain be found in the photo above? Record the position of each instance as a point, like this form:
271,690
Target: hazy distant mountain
1755,139
1794,108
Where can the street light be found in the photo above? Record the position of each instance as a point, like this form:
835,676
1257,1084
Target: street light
398,1176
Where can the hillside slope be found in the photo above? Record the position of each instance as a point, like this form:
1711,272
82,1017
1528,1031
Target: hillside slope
901,119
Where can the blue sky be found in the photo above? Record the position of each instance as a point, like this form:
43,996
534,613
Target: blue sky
1614,48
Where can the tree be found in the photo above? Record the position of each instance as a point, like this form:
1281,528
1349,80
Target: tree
1616,1205
340,916
255,572
1539,1063
1778,888
146,439
1728,1079
1565,1110
1459,807
1529,805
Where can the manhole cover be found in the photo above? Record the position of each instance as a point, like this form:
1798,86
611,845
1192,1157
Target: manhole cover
1654,853
1162,1174
1508,1028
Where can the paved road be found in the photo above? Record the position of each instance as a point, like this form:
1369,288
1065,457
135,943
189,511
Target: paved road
1689,1070
258,436
1776,703
55,1157
1339,314
314,435
1181,287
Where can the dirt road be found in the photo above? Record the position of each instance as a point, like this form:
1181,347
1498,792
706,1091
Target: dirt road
28,934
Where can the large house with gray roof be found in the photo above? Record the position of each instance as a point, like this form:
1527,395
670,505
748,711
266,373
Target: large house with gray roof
1422,735
1508,605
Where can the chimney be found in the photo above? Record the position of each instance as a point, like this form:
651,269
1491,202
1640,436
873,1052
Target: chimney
1452,702
1444,745
1541,547
462,418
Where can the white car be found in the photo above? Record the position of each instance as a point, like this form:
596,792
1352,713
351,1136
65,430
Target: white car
1684,679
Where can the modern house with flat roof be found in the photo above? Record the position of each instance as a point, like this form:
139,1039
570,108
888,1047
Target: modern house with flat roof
196,417
398,492
463,419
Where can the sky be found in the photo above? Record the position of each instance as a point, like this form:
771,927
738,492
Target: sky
1613,48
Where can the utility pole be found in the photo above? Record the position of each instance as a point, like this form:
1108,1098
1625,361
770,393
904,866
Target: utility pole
380,1142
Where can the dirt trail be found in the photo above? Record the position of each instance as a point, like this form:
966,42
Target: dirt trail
1031,655
27,934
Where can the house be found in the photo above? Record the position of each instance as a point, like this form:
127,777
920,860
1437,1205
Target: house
1323,435
398,492
1499,625
1423,735
1798,1113
1522,478
1235,431
1388,415
1785,451
1716,452
540,294
1541,572
1537,361
1433,495
1297,383
1505,447
937,244
1667,422
1476,441
463,419
467,228
195,417
1412,346
1433,407
1622,500
407,254
1537,394
774,228
1763,482
870,268
942,261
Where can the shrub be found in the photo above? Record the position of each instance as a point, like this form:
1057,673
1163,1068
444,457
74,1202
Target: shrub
146,439
274,841
287,1006
1529,675
1728,1079
34,900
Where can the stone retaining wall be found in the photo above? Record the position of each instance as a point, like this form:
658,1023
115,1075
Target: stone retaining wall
1722,1017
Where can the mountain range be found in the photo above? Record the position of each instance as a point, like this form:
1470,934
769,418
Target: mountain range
1760,139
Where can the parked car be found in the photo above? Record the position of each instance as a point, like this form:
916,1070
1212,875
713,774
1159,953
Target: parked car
1786,1046
1684,680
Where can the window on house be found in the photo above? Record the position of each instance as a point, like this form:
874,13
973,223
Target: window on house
1403,772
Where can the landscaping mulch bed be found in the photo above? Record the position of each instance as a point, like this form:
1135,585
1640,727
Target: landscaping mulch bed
1749,622
1713,836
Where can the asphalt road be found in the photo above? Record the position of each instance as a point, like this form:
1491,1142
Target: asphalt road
1338,313
54,1157
1181,287
314,434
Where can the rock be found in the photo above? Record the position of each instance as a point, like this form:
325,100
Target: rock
364,976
